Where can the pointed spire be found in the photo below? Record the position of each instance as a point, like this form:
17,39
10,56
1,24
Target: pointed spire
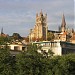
63,21
2,30
46,15
36,15
41,13
72,30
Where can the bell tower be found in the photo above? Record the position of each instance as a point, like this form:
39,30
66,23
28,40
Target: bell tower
39,32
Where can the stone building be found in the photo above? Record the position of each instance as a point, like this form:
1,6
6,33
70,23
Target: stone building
72,40
61,34
39,32
64,34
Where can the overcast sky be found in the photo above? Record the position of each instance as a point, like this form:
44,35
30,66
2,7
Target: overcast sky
19,15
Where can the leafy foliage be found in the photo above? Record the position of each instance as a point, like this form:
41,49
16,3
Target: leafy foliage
50,36
31,62
6,67
4,40
16,36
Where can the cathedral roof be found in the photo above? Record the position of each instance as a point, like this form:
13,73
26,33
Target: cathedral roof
54,31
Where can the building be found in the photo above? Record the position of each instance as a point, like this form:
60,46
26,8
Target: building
39,32
57,47
63,34
72,40
18,47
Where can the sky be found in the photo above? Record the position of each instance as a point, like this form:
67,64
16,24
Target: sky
18,16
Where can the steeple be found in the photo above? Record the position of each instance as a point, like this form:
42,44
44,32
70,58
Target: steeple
63,24
41,13
36,14
2,30
72,30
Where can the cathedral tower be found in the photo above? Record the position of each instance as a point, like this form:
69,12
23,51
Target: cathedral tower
40,29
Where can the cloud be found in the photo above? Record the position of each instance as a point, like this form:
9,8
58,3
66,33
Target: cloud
20,14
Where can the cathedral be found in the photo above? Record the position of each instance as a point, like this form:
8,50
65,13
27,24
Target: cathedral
39,32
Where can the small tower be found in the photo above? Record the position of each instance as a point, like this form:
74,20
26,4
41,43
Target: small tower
63,24
36,15
72,30
41,13
2,30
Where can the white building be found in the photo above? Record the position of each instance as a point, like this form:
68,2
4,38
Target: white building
57,47
19,47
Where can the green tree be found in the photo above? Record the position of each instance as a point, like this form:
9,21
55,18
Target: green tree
6,62
31,62
4,40
65,65
50,36
16,36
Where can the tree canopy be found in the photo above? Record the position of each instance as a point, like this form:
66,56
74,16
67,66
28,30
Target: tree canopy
50,36
31,62
16,36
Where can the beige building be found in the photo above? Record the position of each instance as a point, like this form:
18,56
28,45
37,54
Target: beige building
39,32
19,47
72,40
62,33
61,36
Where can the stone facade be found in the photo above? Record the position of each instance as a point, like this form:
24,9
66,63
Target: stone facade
62,33
39,32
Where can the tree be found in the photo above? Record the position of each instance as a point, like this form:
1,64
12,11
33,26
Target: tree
65,65
4,40
16,36
50,36
31,62
6,67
